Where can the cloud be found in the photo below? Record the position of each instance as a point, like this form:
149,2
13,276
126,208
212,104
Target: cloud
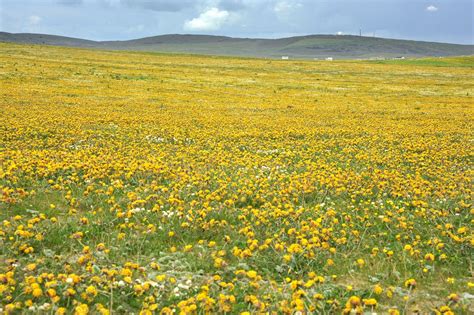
285,6
32,24
111,3
70,2
159,5
34,20
232,5
287,12
210,20
431,8
135,29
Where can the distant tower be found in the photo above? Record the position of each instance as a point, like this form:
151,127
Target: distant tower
360,32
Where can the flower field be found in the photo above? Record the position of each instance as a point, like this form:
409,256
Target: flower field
157,183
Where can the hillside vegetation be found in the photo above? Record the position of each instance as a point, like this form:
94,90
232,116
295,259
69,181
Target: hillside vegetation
305,47
157,183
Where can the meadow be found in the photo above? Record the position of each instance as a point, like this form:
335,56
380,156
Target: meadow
146,183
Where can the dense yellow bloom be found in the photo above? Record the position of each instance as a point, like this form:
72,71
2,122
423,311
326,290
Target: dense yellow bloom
177,184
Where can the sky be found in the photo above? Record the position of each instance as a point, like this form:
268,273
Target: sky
430,20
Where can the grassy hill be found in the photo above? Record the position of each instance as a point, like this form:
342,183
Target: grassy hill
312,46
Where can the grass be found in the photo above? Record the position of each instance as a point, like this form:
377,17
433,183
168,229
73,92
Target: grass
466,62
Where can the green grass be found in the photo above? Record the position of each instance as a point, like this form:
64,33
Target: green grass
461,62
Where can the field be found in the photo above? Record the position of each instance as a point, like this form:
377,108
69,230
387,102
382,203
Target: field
158,183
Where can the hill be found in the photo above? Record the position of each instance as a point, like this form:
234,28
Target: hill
311,46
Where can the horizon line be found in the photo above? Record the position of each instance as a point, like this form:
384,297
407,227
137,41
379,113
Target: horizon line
235,37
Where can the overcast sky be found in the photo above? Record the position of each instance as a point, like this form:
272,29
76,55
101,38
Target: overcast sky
432,20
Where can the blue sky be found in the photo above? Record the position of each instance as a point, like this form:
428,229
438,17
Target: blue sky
431,20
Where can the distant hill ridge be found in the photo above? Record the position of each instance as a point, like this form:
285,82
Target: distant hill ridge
311,46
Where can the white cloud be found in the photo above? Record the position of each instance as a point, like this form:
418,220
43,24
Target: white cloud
34,20
286,11
210,20
431,8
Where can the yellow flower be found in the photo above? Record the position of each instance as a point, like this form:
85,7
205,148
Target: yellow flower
252,274
81,309
462,230
166,311
91,290
429,257
453,297
370,302
354,301
100,247
410,283
31,267
219,262
37,292
51,292
318,296
378,289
